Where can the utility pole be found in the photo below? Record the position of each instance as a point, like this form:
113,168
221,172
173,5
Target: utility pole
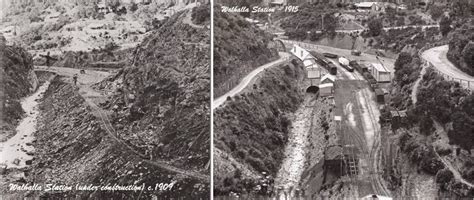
322,22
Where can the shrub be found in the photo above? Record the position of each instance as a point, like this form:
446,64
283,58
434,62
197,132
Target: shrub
445,25
201,14
444,178
375,27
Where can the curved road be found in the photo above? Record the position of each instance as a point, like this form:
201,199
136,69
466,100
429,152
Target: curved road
437,57
246,80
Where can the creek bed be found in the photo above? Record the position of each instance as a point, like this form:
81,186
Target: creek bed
17,151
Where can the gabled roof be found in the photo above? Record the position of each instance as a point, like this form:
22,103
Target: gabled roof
331,77
300,53
308,62
379,67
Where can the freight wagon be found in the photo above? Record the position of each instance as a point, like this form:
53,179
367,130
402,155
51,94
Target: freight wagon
344,62
360,68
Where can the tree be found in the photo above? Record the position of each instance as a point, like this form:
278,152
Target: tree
330,24
443,177
445,25
462,7
375,27
133,7
436,12
113,4
468,55
403,59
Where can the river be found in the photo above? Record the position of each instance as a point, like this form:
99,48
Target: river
14,151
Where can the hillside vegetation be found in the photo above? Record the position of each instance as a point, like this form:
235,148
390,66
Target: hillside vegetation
309,18
461,48
438,101
239,47
448,102
16,82
253,127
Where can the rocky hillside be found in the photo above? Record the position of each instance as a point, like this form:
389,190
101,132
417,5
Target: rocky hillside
159,108
239,47
163,98
13,4
251,130
104,58
72,147
16,81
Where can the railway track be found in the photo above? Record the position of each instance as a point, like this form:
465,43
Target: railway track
374,152
161,164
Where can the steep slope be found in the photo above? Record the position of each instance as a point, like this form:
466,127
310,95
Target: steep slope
72,147
239,48
437,133
161,99
17,80
251,130
158,106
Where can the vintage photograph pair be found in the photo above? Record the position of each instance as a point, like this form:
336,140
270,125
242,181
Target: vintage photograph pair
236,99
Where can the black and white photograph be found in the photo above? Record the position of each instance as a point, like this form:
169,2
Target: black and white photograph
343,99
237,99
105,99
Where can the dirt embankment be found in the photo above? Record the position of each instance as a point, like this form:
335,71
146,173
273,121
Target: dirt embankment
72,148
160,102
252,129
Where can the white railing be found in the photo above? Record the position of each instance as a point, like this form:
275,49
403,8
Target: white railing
463,82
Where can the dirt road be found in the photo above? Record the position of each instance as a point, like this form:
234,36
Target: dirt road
437,57
246,80
414,91
423,27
